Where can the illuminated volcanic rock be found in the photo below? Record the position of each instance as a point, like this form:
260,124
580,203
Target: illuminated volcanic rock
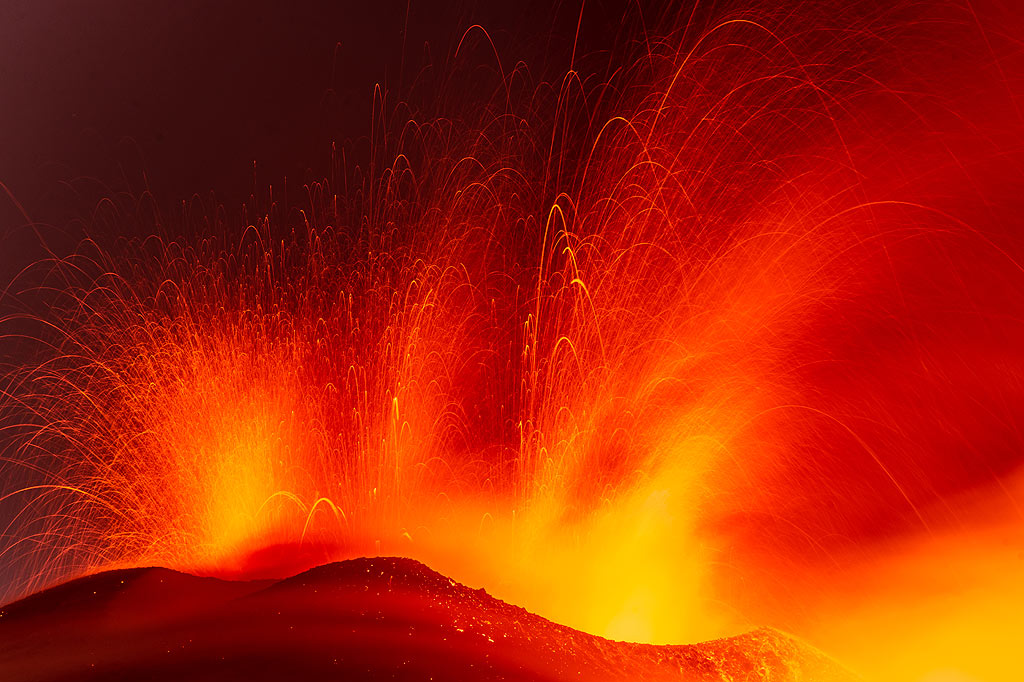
384,618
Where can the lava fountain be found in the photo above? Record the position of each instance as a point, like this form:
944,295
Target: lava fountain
718,329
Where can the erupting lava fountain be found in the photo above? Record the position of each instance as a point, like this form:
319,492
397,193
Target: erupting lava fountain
718,330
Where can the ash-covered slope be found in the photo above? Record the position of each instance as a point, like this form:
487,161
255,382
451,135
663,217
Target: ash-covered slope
382,618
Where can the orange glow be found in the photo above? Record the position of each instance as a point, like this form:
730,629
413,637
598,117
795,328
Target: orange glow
730,338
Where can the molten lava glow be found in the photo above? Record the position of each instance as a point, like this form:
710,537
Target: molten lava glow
727,336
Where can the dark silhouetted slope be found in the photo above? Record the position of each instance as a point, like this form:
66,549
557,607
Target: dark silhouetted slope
382,618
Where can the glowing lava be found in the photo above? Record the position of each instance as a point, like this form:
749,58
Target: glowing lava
729,337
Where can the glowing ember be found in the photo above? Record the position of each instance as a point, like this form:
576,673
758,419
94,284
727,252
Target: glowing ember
728,337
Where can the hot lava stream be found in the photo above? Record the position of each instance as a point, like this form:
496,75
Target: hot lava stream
719,329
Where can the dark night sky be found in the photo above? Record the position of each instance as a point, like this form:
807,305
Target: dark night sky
189,94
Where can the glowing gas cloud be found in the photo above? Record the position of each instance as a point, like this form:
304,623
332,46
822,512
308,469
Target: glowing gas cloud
717,329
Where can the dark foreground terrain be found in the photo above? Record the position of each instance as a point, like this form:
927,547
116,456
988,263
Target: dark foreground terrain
364,619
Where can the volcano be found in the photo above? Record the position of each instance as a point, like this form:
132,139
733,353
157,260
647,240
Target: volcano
361,619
